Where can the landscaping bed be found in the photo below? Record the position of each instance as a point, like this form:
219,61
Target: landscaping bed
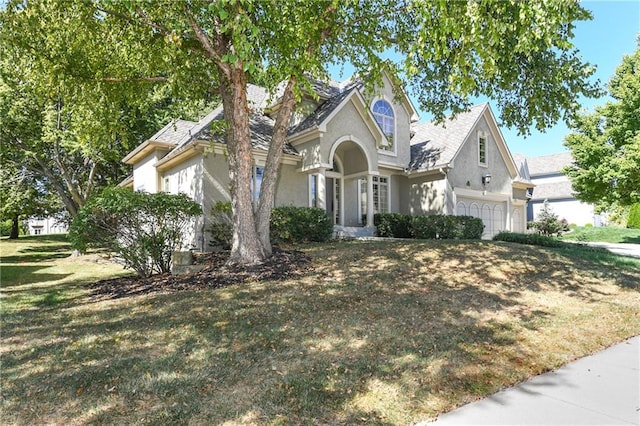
284,264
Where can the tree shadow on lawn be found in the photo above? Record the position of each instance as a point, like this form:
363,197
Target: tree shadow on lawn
370,339
14,277
338,347
43,253
195,358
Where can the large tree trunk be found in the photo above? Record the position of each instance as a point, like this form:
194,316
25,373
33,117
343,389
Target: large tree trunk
272,165
15,228
246,247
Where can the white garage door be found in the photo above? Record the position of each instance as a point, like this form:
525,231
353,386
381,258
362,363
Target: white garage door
492,214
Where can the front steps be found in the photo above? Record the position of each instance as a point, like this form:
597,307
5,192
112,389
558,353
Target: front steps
341,232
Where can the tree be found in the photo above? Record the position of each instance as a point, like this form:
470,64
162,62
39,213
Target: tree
548,223
22,196
67,116
519,53
606,143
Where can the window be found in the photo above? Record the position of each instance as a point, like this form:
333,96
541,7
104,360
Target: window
166,185
313,190
256,182
380,196
383,114
482,149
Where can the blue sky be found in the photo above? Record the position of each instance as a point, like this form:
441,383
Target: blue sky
602,42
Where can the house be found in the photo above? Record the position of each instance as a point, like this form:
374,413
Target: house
352,152
553,185
46,225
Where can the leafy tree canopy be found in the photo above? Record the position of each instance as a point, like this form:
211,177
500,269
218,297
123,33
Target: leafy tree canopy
518,53
605,144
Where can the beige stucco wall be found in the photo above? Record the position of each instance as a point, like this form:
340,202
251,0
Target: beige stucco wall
467,168
186,178
425,195
402,117
346,125
145,176
293,187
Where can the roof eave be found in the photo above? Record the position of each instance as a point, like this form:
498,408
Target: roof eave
145,149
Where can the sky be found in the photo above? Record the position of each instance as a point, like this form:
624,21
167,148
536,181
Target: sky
603,41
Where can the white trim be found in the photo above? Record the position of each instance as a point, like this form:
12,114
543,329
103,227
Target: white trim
394,152
481,195
483,135
350,138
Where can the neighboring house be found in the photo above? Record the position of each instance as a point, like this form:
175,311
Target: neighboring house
45,225
353,153
553,185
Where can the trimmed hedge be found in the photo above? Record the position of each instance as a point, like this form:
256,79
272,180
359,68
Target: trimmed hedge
442,227
530,239
393,225
299,224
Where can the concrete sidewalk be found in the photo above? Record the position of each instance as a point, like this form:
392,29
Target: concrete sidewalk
601,389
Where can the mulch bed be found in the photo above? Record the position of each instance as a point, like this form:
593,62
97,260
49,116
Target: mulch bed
217,273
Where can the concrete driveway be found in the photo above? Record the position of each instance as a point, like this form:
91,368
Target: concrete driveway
631,250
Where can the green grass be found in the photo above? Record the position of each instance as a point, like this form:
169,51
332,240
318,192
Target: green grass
605,234
383,333
38,271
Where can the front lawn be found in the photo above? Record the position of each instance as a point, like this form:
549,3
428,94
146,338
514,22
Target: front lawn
375,333
605,234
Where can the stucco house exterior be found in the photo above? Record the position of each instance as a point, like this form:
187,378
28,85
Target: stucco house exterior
352,152
553,185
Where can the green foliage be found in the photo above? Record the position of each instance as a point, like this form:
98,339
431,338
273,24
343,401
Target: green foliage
443,227
299,224
633,221
518,53
530,239
446,227
548,223
394,225
606,144
221,227
7,225
143,230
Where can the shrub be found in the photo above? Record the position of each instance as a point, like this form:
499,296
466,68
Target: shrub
393,225
633,220
446,227
548,222
142,230
530,239
221,227
299,224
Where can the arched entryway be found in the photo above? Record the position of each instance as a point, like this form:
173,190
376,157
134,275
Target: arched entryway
350,164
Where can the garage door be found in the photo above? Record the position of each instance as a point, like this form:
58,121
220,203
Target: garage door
492,214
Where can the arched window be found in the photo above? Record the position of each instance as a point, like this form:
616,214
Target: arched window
383,113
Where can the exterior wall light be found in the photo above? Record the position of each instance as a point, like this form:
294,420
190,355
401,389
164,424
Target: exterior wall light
486,179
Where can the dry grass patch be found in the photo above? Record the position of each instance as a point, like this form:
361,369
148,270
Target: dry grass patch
375,333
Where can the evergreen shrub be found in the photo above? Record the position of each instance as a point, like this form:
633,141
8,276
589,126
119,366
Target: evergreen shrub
633,220
300,224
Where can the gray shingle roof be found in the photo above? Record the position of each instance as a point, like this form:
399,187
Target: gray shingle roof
549,164
173,132
323,111
261,126
436,144
553,191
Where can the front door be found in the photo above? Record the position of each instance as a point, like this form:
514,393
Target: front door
336,201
